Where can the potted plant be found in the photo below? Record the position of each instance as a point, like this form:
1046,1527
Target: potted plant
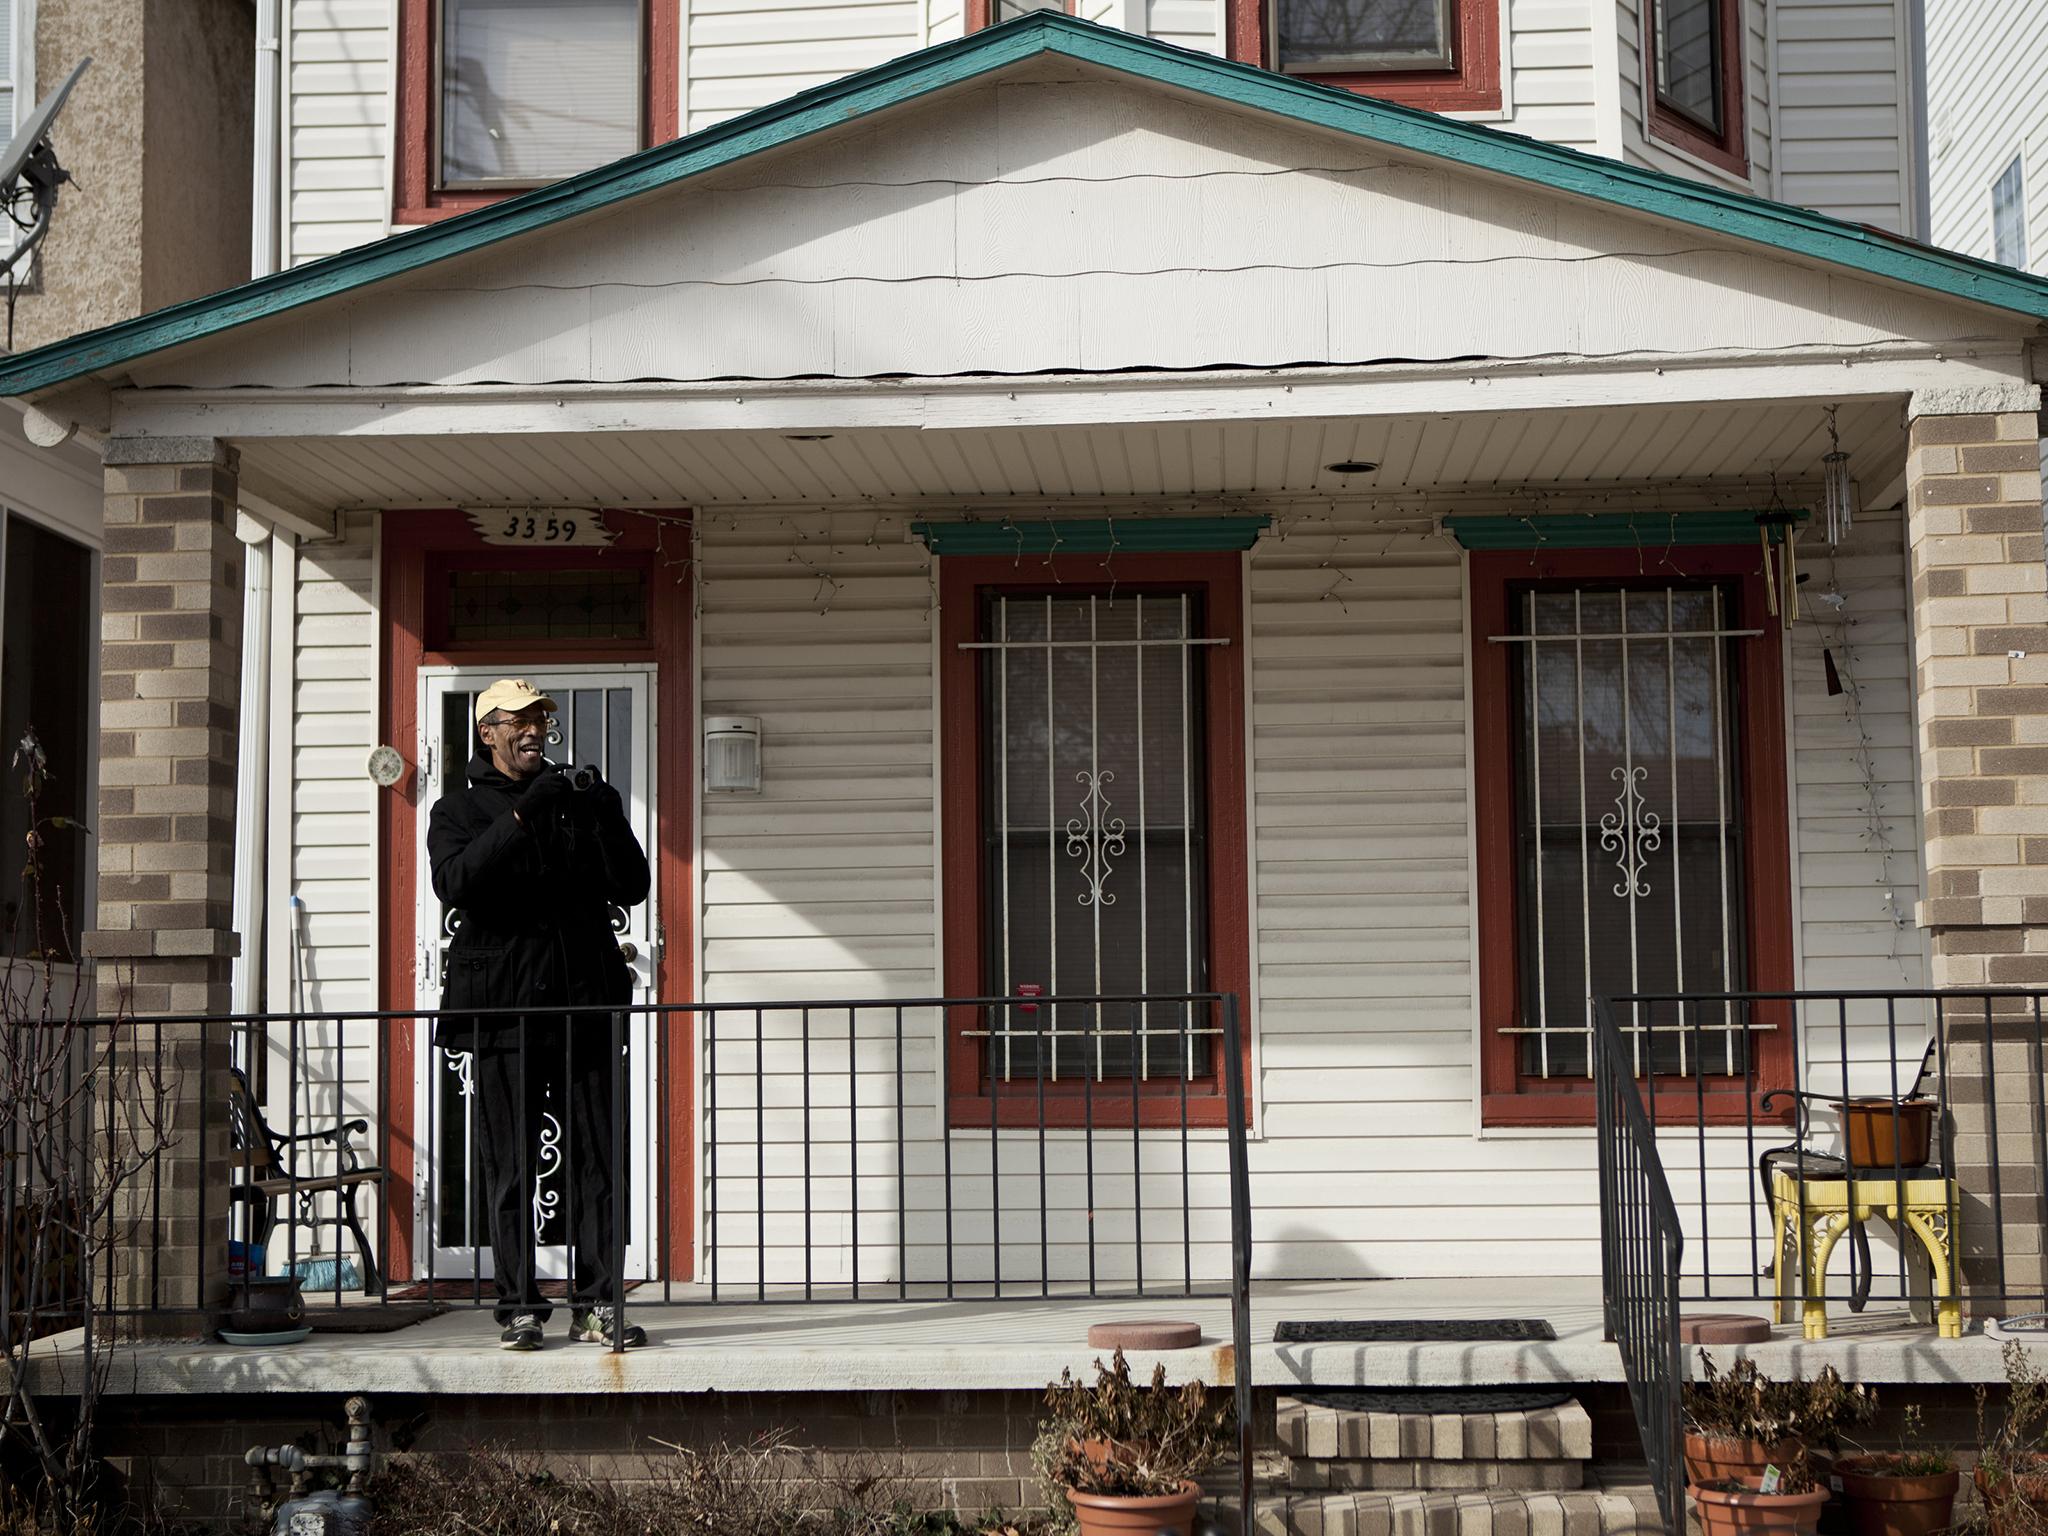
1887,1133
2012,1462
1738,1423
1907,1492
1126,1457
1784,1499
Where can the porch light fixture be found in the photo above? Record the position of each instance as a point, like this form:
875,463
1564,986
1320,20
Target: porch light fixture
1838,491
1351,467
732,754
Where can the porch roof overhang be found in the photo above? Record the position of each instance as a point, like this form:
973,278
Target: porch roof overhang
1800,234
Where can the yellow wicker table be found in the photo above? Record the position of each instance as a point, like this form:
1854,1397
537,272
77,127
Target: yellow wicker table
1830,1204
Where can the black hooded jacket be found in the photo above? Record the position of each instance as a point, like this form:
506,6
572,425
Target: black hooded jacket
535,900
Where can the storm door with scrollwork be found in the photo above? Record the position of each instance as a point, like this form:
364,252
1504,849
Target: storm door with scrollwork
1094,832
1630,834
605,721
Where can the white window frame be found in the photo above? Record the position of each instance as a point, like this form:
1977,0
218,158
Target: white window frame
2014,170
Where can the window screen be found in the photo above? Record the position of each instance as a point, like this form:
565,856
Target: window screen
1363,34
2009,216
1688,63
533,90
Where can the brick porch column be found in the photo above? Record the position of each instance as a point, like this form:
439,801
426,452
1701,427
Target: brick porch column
1980,641
170,661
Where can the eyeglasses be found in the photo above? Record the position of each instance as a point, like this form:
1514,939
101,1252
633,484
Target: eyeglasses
524,717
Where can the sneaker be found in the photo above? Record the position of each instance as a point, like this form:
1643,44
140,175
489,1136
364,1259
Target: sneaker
523,1332
593,1325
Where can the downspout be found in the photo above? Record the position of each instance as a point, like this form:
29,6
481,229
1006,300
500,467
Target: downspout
263,247
252,767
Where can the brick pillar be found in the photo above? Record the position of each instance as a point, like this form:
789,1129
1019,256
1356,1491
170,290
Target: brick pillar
1980,639
170,660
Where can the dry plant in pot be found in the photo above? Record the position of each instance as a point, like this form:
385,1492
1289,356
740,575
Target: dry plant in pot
1125,1457
1907,1492
2012,1461
1739,1506
1741,1421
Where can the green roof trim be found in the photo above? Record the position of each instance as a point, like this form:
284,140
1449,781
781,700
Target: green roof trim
1620,530
1737,215
1093,536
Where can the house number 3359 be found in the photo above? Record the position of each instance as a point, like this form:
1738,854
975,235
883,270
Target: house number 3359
556,528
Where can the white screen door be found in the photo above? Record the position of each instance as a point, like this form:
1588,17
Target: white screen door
606,720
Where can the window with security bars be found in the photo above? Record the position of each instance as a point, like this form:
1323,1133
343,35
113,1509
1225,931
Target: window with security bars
1095,838
1630,849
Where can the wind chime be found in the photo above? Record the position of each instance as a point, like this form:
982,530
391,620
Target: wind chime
1776,527
1838,491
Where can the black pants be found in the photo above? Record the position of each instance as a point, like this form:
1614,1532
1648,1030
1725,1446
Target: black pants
545,1142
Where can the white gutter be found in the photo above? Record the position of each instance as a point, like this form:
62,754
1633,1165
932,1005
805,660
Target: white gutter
263,246
252,766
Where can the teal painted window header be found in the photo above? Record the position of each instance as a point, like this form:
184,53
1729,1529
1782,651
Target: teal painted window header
1621,530
1093,535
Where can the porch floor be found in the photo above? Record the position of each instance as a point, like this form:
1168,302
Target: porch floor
914,1345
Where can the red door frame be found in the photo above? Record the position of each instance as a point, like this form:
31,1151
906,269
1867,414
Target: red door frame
412,543
961,580
1507,1098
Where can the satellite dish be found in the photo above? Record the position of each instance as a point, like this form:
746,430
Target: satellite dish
30,174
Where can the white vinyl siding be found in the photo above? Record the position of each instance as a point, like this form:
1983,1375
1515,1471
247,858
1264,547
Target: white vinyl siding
1844,119
337,113
742,54
1552,91
334,804
1987,102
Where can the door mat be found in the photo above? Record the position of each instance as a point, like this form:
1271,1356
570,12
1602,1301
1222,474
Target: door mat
1432,1400
1435,1330
371,1318
450,1288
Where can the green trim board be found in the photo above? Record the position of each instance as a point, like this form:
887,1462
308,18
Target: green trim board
1619,530
1093,536
1796,231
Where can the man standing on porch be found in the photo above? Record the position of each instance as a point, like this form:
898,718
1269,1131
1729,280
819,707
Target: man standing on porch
533,858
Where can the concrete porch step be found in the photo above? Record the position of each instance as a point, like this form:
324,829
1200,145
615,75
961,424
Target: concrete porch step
1318,1431
1614,1509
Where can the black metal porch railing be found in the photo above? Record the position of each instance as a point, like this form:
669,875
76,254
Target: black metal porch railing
920,1149
1641,1250
1814,1147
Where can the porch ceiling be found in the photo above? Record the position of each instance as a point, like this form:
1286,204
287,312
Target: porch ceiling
1657,446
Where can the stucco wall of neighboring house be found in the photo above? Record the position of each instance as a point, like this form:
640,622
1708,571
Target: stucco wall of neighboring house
198,119
89,271
158,138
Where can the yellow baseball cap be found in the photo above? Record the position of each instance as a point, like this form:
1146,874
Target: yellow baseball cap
512,694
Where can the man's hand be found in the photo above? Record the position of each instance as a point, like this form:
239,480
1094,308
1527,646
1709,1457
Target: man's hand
607,802
537,805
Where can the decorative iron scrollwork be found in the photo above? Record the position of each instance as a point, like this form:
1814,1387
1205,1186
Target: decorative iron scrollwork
1095,839
1631,833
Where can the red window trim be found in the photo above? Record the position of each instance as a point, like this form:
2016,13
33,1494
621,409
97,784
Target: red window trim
978,12
414,197
411,545
1471,85
962,578
1506,1098
1730,149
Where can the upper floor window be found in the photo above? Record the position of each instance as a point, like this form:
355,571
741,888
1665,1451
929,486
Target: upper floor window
2009,216
496,96
533,90
989,13
1443,55
1318,35
1694,52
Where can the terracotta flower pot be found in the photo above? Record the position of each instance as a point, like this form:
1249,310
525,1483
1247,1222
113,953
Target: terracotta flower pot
1880,1134
1713,1458
1116,1514
2018,1506
1724,1512
1885,1503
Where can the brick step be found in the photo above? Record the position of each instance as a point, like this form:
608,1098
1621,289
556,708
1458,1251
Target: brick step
1311,1431
1614,1509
